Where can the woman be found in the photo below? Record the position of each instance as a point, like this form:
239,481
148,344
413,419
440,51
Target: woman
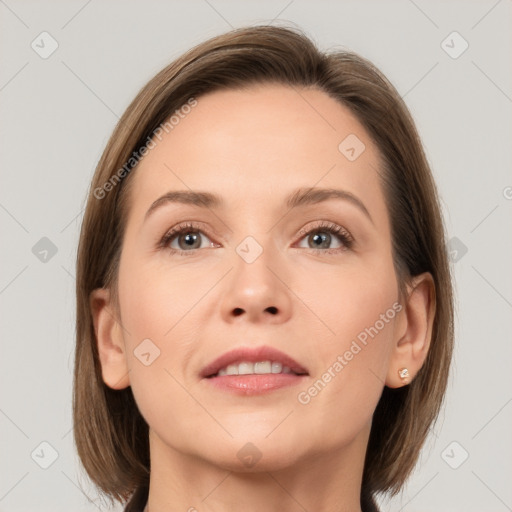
264,300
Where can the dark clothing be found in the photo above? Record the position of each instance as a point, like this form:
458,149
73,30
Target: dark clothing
140,497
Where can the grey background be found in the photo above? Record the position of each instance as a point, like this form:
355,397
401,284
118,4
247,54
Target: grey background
57,114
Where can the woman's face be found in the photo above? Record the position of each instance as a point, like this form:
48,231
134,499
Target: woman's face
256,271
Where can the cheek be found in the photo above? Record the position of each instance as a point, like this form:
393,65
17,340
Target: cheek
358,311
163,316
342,301
155,298
345,388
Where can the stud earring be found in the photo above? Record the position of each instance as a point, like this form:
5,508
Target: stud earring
403,373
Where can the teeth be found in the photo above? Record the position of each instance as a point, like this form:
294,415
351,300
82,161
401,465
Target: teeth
259,368
245,368
277,367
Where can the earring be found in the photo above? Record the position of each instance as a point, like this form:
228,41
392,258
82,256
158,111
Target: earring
403,373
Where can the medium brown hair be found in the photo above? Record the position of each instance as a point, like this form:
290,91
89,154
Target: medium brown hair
110,434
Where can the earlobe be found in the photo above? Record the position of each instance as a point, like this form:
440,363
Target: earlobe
109,340
413,341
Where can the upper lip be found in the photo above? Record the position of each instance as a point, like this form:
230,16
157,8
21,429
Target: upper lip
254,355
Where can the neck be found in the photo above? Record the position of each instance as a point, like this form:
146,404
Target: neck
325,482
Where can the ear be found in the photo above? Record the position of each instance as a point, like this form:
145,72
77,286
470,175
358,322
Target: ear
414,332
110,341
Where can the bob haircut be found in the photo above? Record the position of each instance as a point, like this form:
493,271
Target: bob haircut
111,435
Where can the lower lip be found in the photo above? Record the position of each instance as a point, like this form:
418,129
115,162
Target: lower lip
255,384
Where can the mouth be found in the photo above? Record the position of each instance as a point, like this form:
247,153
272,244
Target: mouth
253,361
253,371
258,368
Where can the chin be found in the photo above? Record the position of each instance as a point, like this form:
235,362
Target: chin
261,461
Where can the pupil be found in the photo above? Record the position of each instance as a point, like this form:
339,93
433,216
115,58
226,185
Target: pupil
322,238
190,239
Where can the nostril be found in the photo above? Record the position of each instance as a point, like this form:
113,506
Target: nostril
238,311
272,309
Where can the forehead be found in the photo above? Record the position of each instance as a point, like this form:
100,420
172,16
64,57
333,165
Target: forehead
255,145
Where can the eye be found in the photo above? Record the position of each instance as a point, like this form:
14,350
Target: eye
322,236
185,238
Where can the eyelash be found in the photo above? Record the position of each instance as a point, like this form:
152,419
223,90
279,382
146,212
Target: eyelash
324,226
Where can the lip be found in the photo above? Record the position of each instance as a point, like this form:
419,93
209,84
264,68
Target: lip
253,355
250,385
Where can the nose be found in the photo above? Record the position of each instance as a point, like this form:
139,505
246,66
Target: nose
256,292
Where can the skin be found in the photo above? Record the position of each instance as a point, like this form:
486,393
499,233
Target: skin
253,148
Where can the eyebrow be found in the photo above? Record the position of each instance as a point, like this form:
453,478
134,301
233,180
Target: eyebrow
299,197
